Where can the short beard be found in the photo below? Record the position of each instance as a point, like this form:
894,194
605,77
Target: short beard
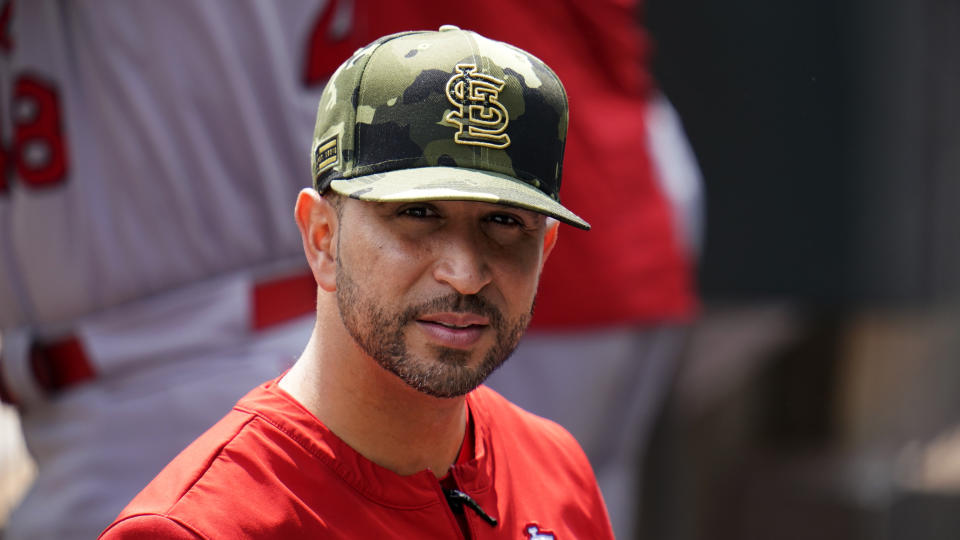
380,335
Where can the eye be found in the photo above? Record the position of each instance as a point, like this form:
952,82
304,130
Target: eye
513,218
418,211
508,220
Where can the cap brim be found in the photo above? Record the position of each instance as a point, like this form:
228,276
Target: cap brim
454,184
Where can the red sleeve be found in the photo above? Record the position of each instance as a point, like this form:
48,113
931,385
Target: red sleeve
147,526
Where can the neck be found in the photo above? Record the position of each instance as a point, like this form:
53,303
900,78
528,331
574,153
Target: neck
371,409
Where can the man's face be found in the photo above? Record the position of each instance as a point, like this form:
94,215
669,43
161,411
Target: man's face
438,293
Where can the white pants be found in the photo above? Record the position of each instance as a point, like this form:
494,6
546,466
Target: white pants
606,387
98,444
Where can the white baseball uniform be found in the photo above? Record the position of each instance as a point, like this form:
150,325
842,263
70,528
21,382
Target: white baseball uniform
154,153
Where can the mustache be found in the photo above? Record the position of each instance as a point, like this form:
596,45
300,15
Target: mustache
456,303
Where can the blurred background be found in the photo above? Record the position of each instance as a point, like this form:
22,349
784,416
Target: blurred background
819,394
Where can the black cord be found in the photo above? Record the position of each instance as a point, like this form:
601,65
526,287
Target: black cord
456,499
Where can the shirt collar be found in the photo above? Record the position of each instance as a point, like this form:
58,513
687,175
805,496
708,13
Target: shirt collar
473,470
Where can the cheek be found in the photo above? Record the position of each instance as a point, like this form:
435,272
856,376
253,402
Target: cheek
518,275
384,264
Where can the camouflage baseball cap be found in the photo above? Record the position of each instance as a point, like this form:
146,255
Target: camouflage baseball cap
446,115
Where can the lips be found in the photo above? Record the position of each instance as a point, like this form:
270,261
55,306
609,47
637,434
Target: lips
455,320
454,330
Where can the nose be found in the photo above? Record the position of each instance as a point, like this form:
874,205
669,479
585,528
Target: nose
462,265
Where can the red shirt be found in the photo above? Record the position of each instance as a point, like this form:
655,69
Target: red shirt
270,469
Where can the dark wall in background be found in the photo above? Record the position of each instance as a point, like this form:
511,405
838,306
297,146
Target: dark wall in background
828,135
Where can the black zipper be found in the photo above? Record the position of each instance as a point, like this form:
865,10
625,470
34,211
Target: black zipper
458,499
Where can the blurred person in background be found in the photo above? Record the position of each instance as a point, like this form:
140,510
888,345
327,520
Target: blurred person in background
133,316
613,307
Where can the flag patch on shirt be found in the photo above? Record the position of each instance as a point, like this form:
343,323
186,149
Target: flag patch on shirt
535,533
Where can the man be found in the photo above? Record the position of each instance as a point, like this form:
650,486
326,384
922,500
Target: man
436,162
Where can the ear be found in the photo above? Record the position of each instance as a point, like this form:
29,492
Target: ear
549,239
318,223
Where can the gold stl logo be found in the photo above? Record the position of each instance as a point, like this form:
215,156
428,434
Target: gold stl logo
478,113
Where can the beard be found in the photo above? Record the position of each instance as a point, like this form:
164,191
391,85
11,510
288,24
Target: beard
380,334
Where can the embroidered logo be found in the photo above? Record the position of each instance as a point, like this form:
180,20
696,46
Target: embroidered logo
534,533
326,154
478,114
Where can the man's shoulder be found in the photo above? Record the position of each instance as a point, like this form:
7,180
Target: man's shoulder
202,463
154,512
223,475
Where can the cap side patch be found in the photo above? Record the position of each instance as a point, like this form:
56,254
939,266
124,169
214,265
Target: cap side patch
327,154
